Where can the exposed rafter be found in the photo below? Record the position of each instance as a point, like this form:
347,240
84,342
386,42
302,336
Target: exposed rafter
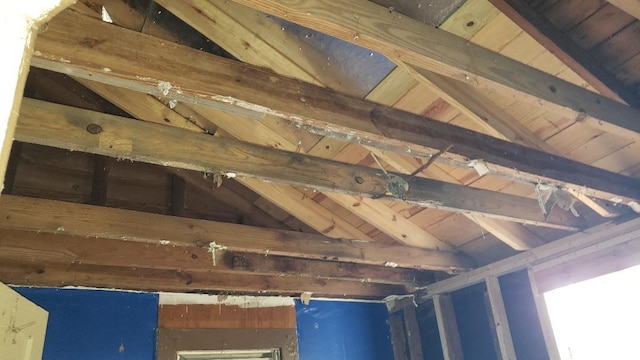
252,89
566,50
98,133
400,38
215,19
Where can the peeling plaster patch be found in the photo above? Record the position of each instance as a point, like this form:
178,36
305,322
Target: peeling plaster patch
164,87
391,264
164,242
635,206
172,104
240,301
479,167
305,297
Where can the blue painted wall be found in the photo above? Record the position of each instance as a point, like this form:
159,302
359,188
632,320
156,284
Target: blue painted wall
95,324
340,330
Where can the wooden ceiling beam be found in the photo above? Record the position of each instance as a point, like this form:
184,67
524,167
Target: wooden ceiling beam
65,249
150,109
144,279
278,51
399,37
216,20
83,130
86,48
48,216
559,44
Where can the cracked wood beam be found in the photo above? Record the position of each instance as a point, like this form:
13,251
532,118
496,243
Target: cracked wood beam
559,44
260,41
278,52
88,131
142,63
398,37
328,277
47,216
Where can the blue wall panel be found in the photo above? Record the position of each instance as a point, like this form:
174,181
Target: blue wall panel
340,330
95,324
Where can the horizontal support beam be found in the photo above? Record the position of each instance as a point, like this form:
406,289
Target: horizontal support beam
88,48
83,130
602,236
62,250
143,279
260,264
49,216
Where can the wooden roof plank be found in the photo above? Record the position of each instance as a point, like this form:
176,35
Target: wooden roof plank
566,50
374,27
235,88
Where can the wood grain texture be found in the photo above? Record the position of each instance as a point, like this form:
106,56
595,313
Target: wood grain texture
377,28
85,220
197,316
243,88
119,137
567,51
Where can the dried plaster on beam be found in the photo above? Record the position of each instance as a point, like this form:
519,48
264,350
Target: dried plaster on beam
240,301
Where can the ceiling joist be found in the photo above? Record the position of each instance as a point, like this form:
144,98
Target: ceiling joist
49,216
83,130
139,62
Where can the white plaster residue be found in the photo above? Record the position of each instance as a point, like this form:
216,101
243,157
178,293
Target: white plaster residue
231,175
391,300
391,264
173,103
164,242
37,53
241,301
635,206
105,16
164,87
305,297
106,69
479,167
616,200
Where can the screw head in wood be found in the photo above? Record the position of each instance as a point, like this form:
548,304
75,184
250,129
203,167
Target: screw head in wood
94,129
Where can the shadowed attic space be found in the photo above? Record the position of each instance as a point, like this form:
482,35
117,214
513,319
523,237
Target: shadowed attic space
326,220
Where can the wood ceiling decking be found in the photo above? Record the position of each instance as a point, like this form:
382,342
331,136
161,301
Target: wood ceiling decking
454,215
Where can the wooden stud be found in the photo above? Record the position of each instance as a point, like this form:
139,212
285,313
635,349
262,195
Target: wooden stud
545,321
448,327
499,317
